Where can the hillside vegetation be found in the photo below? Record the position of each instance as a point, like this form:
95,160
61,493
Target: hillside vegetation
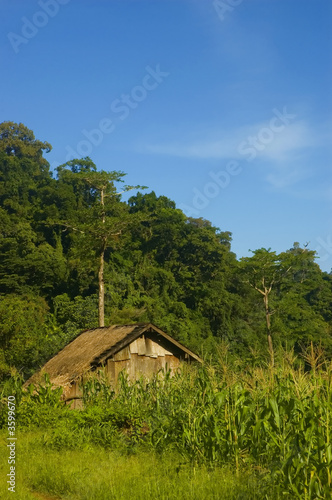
158,265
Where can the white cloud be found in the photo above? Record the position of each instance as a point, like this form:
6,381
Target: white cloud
284,144
198,149
292,158
290,143
285,178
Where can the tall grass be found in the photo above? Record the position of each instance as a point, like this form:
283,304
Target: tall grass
102,474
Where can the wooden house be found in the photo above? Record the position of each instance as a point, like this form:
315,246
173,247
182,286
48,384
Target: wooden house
140,349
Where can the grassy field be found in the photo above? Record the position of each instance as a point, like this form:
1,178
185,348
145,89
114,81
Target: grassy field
208,433
99,474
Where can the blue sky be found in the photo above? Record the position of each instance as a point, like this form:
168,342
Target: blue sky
223,106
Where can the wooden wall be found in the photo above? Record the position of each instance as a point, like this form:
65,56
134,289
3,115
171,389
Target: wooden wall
74,397
145,356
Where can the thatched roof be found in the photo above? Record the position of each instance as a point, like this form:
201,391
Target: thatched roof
92,347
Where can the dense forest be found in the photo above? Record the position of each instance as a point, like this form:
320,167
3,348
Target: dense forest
68,238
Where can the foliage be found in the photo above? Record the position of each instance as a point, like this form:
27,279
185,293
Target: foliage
74,316
28,333
65,240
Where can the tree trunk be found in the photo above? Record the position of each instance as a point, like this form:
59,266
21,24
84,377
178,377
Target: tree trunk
268,325
101,294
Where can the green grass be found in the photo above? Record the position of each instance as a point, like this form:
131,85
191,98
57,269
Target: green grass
99,474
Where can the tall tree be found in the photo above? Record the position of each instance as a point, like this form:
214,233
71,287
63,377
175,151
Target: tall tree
100,215
300,318
263,271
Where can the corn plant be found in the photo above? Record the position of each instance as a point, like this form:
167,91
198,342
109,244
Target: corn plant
274,422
